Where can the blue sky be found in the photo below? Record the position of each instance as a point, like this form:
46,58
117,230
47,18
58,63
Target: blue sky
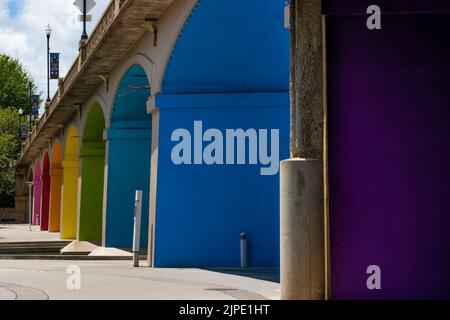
14,7
22,36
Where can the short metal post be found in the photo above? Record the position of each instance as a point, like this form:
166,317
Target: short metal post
30,203
137,228
244,251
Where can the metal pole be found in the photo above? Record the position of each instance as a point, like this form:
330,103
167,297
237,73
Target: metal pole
137,227
31,107
48,68
30,203
244,251
84,36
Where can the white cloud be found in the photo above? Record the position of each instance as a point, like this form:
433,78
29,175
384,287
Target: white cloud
23,36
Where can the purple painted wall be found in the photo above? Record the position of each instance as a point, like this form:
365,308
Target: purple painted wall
389,109
387,6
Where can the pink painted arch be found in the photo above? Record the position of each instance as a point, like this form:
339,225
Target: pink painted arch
37,193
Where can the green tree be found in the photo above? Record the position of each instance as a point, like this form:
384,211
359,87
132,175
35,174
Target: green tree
14,95
9,146
14,84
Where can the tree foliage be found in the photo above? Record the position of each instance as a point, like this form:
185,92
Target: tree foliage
9,143
14,84
14,95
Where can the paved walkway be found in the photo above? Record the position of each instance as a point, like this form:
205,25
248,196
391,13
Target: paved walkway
41,280
20,233
117,280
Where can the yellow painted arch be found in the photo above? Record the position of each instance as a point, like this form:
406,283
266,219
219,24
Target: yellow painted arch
70,185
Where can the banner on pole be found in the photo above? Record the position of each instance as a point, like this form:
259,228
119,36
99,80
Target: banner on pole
54,66
23,132
35,105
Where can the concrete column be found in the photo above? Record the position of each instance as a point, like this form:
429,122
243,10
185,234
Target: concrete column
302,230
303,225
21,199
82,53
153,185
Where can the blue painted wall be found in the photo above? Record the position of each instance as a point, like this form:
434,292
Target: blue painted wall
229,69
231,46
129,139
201,209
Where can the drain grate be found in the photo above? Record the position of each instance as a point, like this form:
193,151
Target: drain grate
221,289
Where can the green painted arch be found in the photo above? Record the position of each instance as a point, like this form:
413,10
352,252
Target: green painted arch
70,185
92,158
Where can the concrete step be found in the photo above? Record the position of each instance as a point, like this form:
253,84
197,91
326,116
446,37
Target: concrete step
67,258
28,251
33,244
34,248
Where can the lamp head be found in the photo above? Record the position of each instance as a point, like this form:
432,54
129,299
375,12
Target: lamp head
48,30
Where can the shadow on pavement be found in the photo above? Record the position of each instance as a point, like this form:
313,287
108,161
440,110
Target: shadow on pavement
266,274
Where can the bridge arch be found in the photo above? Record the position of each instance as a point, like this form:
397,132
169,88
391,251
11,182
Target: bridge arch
92,160
55,187
129,149
147,66
37,187
228,78
46,183
70,184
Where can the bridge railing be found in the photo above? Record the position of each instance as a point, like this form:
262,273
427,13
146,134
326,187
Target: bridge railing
111,12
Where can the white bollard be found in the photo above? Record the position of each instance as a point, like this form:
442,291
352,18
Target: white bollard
137,228
244,251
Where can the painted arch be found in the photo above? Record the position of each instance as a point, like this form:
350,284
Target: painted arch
229,78
46,183
55,188
129,144
92,159
70,185
37,186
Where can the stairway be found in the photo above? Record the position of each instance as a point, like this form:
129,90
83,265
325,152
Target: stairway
35,248
48,250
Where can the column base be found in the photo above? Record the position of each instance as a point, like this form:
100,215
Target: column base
302,230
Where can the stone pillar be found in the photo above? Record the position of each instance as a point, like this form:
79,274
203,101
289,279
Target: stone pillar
47,107
303,255
82,53
21,199
153,182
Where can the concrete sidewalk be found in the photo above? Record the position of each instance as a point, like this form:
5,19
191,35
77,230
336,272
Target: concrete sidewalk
22,233
40,280
117,280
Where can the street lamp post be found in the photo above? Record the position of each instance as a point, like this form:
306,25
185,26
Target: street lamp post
84,36
48,32
30,118
20,125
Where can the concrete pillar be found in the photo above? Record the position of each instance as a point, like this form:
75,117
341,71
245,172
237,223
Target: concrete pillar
302,226
82,53
153,183
21,199
303,223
